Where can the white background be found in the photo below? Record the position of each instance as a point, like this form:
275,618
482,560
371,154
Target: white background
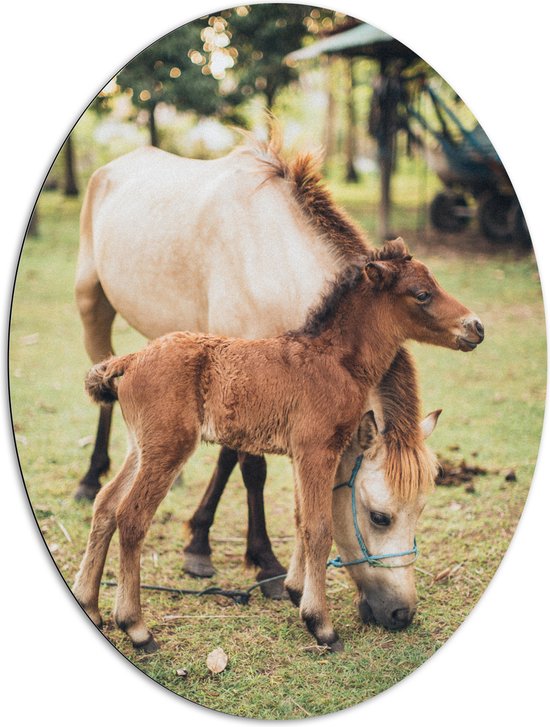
55,57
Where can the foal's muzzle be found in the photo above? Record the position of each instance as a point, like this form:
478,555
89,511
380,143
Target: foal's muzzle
474,334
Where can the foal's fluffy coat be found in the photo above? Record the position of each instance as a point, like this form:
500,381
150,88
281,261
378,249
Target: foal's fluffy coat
302,394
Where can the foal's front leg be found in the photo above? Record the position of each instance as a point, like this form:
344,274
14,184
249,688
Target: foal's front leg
315,477
294,581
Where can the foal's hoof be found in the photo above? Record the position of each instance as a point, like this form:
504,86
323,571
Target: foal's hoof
87,490
92,613
275,590
95,618
147,647
198,565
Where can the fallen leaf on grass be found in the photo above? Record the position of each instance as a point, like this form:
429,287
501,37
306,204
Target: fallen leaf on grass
181,672
217,660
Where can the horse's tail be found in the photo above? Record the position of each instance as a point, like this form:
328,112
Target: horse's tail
101,379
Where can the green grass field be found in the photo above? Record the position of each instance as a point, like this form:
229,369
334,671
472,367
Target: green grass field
492,400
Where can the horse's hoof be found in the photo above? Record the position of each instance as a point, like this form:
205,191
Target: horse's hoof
295,595
147,647
275,590
87,491
198,565
338,645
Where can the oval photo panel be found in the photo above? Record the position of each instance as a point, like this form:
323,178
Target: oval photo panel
279,251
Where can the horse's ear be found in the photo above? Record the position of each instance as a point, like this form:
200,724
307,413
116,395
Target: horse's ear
381,273
368,430
399,246
428,424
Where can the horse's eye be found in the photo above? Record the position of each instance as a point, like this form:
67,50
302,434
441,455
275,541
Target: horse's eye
423,296
380,519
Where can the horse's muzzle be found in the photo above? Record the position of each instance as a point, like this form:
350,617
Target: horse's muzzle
475,333
395,620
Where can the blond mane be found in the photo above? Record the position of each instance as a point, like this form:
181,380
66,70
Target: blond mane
410,465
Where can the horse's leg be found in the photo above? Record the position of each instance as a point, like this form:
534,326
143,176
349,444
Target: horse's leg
89,485
294,581
97,316
196,558
258,546
157,470
316,472
88,578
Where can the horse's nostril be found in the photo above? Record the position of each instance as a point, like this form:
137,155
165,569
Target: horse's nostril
478,325
401,617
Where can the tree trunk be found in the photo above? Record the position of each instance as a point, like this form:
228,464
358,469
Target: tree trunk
351,172
153,132
330,125
71,187
270,94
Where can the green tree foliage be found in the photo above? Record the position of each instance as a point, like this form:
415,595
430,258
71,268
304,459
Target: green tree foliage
164,72
212,65
263,35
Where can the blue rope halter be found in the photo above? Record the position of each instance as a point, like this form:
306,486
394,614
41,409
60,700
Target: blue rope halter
373,560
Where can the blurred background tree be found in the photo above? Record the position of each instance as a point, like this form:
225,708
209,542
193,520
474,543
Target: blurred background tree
263,36
169,72
217,67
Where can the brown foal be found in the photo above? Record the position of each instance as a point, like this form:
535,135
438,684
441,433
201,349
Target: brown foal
301,394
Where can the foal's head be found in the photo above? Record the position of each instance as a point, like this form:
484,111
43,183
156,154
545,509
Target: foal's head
423,310
391,489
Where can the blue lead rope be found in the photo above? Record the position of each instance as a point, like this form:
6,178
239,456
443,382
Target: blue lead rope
243,596
373,560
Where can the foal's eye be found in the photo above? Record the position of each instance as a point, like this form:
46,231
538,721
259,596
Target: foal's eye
380,519
423,296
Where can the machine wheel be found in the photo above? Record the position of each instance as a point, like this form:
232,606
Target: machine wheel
449,212
519,226
494,214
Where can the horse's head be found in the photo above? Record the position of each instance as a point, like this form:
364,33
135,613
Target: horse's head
383,513
422,309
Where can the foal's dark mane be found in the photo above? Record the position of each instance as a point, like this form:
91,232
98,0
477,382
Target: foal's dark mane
320,316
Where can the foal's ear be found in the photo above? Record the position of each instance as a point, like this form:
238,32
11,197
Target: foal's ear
399,248
381,273
368,430
428,424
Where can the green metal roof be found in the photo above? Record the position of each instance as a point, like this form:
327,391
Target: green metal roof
364,39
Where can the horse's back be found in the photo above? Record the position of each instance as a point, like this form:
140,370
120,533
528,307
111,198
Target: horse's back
151,216
180,243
